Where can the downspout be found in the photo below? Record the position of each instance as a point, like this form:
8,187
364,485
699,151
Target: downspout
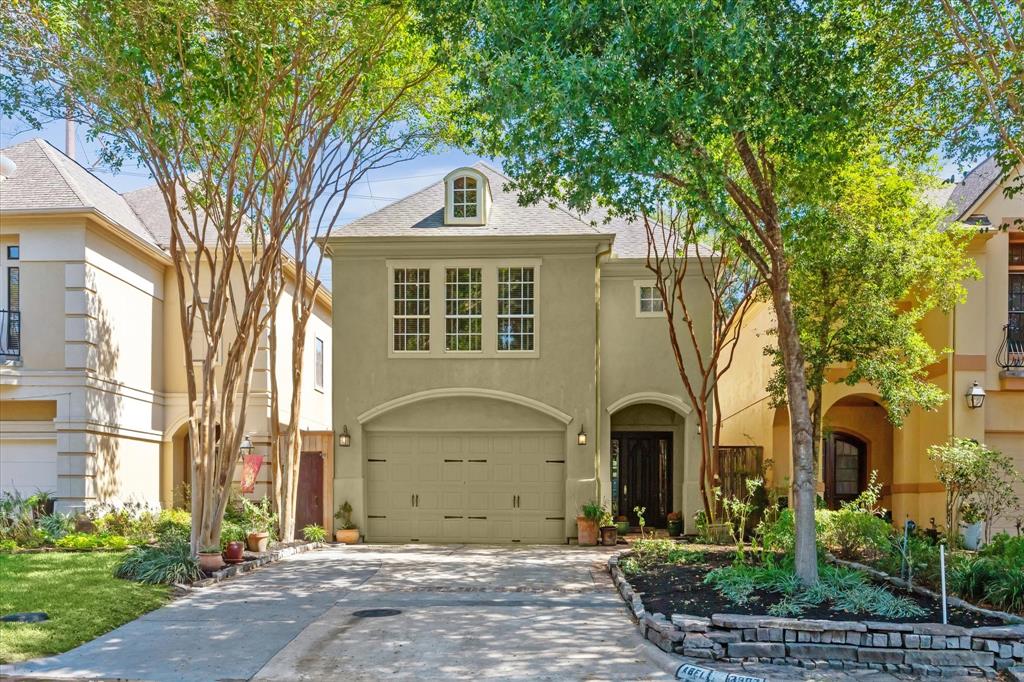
597,369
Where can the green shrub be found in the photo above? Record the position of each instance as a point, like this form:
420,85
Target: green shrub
8,546
651,551
314,533
1006,591
853,534
776,532
167,564
258,517
173,525
56,526
92,541
231,532
630,566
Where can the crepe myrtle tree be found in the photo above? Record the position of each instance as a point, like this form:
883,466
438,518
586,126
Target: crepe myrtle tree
235,109
741,111
890,260
689,259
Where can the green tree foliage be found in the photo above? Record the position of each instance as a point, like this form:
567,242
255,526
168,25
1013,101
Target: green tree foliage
742,111
868,265
247,115
958,65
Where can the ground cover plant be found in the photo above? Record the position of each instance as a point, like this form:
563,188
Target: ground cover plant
79,593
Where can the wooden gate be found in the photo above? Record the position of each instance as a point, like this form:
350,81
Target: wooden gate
734,464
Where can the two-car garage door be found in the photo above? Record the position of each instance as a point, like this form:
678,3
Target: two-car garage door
465,486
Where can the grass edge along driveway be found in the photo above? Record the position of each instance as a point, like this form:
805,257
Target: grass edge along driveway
79,592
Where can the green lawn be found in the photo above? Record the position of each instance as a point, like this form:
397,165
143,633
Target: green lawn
77,590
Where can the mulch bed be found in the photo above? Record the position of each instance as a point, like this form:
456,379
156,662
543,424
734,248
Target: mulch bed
681,589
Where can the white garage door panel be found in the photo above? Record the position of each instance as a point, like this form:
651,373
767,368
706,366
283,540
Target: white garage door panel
466,487
27,465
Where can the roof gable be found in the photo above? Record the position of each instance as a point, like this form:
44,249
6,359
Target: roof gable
46,179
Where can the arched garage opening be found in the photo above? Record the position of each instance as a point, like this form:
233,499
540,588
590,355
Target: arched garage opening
465,468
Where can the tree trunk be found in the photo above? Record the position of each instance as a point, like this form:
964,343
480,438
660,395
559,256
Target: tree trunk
804,486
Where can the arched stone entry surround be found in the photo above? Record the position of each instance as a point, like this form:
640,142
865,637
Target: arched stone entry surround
857,440
647,458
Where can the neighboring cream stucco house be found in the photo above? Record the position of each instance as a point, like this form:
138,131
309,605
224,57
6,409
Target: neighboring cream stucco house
859,438
495,363
92,380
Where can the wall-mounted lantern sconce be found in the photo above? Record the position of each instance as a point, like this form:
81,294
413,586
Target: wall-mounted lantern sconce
344,438
975,396
581,437
246,447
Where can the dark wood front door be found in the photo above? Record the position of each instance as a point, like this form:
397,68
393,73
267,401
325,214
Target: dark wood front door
846,463
309,507
644,464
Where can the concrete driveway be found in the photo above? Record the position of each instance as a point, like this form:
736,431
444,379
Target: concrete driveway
465,611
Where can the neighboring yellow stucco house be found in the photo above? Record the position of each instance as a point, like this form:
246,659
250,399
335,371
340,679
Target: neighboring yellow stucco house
859,438
495,363
92,380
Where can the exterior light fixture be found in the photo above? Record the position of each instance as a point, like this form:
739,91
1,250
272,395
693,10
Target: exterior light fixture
581,437
975,396
344,438
246,447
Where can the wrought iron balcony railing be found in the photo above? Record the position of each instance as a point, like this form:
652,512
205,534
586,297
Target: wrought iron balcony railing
10,334
1010,355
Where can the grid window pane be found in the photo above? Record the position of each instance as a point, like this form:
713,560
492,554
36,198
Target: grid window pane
515,309
412,309
463,301
464,196
650,300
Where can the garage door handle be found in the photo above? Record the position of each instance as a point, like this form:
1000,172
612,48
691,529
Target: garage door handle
371,516
453,460
478,461
480,518
452,517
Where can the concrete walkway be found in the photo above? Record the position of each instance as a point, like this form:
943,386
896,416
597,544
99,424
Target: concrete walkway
545,613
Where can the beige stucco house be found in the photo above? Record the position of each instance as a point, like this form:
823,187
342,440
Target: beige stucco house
92,380
497,365
985,336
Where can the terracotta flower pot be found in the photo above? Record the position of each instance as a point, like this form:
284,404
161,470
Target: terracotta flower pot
349,536
586,531
210,561
258,541
609,536
233,553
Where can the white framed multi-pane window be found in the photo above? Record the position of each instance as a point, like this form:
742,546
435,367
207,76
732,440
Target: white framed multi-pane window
478,308
410,305
648,299
463,309
515,309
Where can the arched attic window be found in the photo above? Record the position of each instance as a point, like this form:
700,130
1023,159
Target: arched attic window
467,197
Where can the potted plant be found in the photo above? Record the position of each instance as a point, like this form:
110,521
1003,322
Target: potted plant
972,523
622,525
609,533
210,559
587,523
675,524
259,521
348,531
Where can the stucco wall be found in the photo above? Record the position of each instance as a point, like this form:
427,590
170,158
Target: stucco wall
561,376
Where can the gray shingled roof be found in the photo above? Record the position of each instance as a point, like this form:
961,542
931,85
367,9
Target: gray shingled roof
47,179
422,214
148,203
967,192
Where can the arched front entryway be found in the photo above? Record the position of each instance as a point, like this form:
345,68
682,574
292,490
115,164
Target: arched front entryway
857,440
646,461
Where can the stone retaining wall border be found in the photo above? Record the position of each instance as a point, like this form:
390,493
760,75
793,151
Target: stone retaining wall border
922,649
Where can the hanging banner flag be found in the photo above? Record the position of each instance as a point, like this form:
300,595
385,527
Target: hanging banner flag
251,465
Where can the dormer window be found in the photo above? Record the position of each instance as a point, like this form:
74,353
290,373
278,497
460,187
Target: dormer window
467,197
464,197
